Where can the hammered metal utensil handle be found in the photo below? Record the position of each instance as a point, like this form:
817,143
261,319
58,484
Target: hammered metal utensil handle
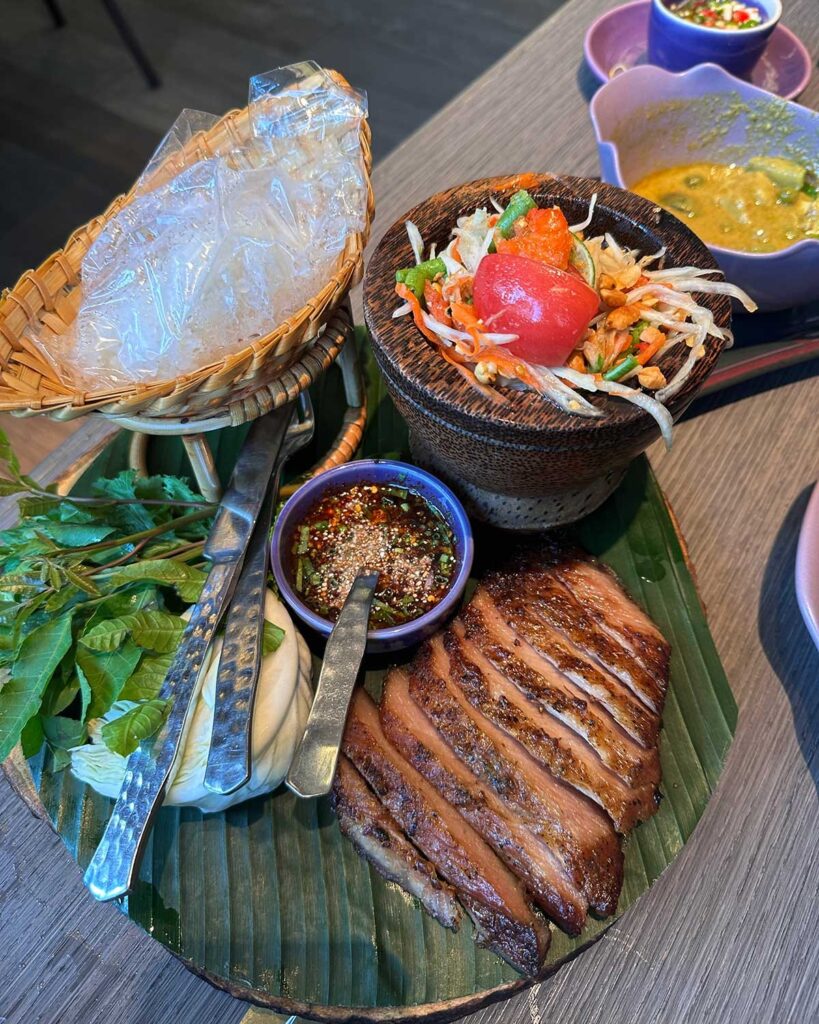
114,866
228,765
311,773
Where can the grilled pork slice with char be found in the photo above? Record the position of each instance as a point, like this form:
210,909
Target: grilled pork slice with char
553,693
530,618
406,726
378,838
578,832
490,892
557,605
551,743
597,589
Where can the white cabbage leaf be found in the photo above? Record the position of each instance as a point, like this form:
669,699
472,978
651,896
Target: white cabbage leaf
283,699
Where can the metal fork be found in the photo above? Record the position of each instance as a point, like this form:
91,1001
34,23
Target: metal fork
229,755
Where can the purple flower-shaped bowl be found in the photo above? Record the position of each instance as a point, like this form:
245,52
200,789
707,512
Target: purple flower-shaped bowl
675,44
371,471
647,119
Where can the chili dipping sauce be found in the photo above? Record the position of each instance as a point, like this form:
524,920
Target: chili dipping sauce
368,527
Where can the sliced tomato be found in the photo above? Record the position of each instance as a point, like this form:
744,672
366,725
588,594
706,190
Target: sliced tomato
549,309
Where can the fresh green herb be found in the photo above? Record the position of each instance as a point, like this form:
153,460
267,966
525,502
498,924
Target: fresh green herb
124,734
271,638
91,595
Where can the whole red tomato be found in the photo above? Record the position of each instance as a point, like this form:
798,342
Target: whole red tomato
549,309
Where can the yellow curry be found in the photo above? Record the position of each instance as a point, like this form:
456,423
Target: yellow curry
768,204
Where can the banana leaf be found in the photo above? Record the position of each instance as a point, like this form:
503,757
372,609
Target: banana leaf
271,902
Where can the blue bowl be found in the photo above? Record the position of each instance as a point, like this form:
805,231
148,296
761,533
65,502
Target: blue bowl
647,119
677,45
369,471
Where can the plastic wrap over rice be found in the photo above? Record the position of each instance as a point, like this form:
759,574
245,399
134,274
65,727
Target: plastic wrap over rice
195,269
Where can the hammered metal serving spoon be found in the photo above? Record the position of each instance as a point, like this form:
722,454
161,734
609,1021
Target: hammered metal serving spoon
229,755
314,765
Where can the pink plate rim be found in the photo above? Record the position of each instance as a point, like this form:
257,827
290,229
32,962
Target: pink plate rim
602,75
806,575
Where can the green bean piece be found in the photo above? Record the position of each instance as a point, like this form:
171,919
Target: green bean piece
616,372
519,205
415,277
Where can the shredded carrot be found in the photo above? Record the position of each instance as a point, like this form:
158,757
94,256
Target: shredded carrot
464,314
470,378
465,317
455,252
510,366
651,349
452,357
436,304
409,295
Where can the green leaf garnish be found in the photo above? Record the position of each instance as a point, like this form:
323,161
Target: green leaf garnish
185,579
106,674
39,655
153,630
83,618
147,680
125,733
272,638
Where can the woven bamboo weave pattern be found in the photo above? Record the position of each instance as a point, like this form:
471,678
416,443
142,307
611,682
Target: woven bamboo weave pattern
48,297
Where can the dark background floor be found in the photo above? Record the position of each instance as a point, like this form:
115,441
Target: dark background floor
79,123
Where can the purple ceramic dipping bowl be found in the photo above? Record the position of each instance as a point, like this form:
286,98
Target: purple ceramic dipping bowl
381,471
677,45
647,119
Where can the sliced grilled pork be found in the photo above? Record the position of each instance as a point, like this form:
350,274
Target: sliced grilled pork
406,726
523,613
600,593
578,832
485,885
543,683
556,604
553,693
376,835
554,745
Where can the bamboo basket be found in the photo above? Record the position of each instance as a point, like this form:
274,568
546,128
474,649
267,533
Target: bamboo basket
49,298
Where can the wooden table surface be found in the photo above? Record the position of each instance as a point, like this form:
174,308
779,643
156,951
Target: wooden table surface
729,933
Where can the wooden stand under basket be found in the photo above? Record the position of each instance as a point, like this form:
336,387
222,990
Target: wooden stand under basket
336,342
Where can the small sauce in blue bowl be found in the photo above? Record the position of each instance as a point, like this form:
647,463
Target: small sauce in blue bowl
374,515
684,33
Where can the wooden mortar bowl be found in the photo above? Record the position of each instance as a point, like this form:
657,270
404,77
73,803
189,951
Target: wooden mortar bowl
527,464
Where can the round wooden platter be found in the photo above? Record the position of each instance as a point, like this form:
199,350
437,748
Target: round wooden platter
269,902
